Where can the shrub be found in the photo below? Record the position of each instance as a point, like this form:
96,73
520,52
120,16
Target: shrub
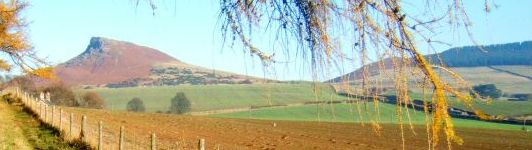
92,100
487,90
11,99
136,105
61,94
180,104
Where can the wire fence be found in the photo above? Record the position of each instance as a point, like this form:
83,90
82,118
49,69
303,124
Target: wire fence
95,133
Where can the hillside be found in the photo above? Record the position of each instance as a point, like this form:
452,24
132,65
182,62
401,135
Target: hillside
113,63
106,61
519,53
499,75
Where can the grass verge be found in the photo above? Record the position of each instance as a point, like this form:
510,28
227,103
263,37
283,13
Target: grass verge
34,133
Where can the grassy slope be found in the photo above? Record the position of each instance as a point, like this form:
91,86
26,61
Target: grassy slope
20,131
508,83
499,107
349,113
478,75
11,136
495,107
522,70
213,97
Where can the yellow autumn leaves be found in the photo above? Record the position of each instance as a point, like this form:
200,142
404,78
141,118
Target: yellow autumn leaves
14,42
12,37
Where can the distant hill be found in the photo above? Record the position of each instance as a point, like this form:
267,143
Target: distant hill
519,53
113,63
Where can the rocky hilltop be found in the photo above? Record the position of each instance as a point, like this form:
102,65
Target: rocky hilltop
114,63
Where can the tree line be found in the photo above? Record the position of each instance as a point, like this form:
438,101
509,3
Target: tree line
519,53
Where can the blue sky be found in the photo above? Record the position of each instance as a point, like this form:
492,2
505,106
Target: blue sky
189,31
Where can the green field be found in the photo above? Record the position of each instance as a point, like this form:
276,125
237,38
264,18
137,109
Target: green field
349,113
499,107
215,97
495,107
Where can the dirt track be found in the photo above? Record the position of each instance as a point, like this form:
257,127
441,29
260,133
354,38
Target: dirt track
260,134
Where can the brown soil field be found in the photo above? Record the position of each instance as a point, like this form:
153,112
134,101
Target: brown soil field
175,131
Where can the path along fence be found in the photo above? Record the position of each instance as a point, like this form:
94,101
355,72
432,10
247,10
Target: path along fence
78,127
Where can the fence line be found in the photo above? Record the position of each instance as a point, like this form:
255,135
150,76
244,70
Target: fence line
91,132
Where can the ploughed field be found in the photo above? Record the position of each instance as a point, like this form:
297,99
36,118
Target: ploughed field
184,131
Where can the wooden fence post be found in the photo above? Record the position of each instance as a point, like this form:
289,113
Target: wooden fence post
100,135
53,112
32,105
201,144
45,113
524,125
40,111
83,126
121,139
60,119
71,121
153,142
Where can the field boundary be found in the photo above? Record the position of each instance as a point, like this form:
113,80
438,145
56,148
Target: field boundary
510,72
81,131
250,108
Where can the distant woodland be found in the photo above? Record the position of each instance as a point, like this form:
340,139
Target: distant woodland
519,53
